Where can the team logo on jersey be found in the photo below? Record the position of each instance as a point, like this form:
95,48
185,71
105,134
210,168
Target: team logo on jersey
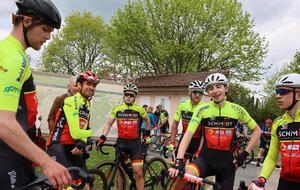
293,147
284,126
283,146
3,69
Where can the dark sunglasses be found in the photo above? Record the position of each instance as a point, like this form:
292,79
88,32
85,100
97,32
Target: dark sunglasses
282,91
130,95
198,92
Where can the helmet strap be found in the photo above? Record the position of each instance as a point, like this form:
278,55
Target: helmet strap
294,102
25,30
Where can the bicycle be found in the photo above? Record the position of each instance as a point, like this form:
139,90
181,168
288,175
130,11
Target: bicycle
240,146
195,181
41,182
159,141
115,171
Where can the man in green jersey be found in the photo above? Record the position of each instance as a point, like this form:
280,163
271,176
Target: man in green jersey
33,24
185,112
285,135
128,115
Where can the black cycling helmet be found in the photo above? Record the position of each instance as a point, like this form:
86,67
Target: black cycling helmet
44,10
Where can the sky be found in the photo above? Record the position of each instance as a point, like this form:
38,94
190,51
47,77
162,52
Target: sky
276,20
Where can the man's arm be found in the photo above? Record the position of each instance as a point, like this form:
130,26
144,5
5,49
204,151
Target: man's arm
15,137
52,114
253,139
147,120
174,130
107,126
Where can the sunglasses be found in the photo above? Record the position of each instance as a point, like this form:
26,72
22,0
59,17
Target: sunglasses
93,80
282,91
198,92
130,95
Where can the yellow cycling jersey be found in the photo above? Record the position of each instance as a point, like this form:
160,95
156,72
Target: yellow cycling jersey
128,119
285,138
185,112
218,123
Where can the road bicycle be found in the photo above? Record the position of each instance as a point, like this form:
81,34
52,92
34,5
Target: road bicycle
41,182
240,145
116,171
159,141
195,182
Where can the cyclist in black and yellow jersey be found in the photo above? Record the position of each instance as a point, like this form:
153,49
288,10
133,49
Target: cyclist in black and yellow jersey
185,112
128,115
218,119
33,24
285,135
67,143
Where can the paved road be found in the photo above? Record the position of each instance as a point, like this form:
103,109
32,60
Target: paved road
251,172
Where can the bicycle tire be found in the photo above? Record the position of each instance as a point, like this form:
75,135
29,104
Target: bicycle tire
153,172
154,144
100,179
119,180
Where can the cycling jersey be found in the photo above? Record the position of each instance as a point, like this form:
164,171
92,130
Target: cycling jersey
266,132
17,94
218,123
72,122
185,112
128,119
286,140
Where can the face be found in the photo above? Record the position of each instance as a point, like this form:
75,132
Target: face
129,97
72,87
217,91
37,35
196,94
268,125
88,89
284,97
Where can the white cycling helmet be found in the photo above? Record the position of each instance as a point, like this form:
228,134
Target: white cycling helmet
131,87
197,84
290,80
216,78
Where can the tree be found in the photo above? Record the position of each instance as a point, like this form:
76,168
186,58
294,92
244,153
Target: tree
77,47
182,36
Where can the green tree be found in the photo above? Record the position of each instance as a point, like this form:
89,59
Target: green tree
181,36
78,46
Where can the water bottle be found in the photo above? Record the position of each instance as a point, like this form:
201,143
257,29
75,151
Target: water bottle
259,184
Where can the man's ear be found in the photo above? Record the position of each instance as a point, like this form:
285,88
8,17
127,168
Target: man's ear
27,21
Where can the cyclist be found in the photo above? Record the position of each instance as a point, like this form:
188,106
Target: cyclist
67,142
285,135
218,119
32,26
239,130
264,139
163,123
128,115
59,101
185,112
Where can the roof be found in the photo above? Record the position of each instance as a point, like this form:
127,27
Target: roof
173,80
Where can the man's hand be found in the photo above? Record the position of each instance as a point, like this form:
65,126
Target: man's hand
176,167
56,173
146,137
101,140
239,160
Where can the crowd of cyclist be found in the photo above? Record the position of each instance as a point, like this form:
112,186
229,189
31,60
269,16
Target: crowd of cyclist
209,129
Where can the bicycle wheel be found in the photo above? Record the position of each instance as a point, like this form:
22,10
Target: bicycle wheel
99,179
154,142
115,182
250,157
153,172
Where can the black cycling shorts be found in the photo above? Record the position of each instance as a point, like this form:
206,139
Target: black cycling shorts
219,164
132,147
15,170
285,185
62,154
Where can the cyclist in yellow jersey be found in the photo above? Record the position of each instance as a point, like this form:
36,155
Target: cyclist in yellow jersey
218,119
67,143
128,116
285,135
185,112
32,26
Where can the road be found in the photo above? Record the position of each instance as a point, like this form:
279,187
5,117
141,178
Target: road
251,172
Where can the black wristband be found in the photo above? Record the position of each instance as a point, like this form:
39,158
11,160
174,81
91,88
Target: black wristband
103,137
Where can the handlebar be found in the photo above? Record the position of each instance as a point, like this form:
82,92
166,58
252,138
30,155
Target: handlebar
115,145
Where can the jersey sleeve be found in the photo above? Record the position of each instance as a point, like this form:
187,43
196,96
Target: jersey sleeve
113,112
272,157
177,114
245,117
71,110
